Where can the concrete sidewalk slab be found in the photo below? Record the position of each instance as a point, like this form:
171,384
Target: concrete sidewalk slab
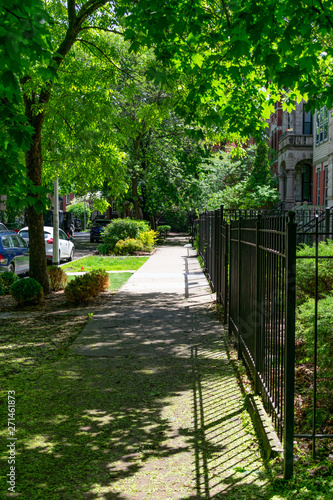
158,351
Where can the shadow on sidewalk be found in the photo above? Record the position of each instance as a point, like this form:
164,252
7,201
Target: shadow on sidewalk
147,407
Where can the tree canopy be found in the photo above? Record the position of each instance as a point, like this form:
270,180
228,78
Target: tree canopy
238,57
75,103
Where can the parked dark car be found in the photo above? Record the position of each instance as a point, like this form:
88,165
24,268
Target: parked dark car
14,253
96,229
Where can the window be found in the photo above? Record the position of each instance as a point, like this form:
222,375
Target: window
321,125
307,183
5,242
307,122
67,199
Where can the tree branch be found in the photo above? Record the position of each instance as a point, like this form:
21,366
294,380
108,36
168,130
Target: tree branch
71,11
89,8
103,53
13,14
102,29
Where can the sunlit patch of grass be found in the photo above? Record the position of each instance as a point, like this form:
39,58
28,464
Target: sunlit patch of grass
104,262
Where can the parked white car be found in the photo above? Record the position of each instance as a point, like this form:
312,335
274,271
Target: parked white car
66,246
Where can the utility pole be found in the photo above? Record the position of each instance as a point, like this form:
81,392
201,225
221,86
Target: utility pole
55,257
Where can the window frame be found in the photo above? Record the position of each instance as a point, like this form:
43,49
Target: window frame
321,125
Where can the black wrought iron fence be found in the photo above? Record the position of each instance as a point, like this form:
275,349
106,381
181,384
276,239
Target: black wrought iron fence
251,264
261,314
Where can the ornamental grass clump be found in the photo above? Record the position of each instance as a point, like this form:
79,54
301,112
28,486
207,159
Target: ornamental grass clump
58,278
27,291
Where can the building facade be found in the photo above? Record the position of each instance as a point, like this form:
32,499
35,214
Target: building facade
295,157
323,158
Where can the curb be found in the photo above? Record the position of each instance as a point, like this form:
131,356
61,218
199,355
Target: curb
262,423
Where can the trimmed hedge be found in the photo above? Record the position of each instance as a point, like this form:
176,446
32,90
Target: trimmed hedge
27,291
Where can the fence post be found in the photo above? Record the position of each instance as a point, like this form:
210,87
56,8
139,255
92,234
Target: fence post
225,284
289,348
257,327
218,258
239,287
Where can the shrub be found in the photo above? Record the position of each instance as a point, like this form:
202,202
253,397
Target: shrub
306,269
82,289
128,246
78,210
104,249
7,279
121,229
102,277
305,324
2,290
27,290
148,239
163,229
58,278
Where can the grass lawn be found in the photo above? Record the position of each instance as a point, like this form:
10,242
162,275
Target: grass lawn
108,263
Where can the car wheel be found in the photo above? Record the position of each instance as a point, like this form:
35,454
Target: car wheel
11,268
71,257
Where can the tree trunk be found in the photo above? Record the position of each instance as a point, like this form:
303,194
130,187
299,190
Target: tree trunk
34,160
137,210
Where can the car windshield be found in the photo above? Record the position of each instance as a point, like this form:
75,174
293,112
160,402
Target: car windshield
25,234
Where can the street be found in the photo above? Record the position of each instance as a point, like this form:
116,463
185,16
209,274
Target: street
83,246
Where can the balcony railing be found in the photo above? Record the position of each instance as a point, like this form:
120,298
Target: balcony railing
289,139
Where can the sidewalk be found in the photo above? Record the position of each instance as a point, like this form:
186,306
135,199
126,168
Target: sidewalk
165,392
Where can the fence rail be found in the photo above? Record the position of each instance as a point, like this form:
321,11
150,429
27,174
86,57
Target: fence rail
250,259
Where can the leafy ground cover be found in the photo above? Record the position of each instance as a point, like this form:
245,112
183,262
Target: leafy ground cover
108,263
34,335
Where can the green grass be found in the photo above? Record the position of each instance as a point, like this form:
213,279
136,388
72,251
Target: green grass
116,280
107,263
